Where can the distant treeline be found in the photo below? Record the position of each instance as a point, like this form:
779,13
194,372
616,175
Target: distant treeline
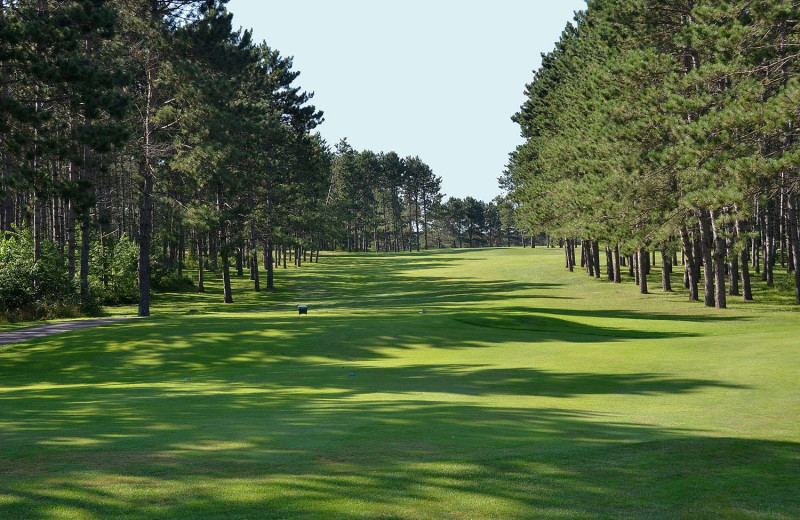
389,203
669,125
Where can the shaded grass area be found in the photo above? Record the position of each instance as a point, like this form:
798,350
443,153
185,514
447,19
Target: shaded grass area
522,392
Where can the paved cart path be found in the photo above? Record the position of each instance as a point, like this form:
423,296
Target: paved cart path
40,331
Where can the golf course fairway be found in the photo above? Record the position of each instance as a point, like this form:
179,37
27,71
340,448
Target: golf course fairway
522,391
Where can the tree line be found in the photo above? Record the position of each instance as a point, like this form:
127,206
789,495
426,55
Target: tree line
140,138
150,122
668,125
387,203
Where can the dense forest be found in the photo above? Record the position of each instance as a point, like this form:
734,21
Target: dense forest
142,138
671,126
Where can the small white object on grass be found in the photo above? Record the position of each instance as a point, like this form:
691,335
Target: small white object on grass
187,379
422,311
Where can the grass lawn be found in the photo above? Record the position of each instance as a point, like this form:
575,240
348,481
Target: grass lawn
524,391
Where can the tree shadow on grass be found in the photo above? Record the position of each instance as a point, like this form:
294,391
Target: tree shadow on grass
549,328
409,292
212,346
336,458
627,314
472,380
272,425
594,325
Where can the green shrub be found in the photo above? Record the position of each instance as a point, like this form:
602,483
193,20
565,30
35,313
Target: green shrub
57,289
91,303
17,272
125,272
169,282
58,295
114,271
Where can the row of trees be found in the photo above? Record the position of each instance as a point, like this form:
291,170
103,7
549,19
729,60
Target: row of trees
669,125
141,137
470,222
152,122
381,200
384,202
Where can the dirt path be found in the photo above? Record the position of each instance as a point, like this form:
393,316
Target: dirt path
40,331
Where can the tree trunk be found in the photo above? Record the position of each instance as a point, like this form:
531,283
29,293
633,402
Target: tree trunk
781,225
5,202
707,245
769,247
596,258
690,264
239,262
747,292
270,268
85,235
583,253
254,268
666,283
226,270
145,228
572,252
224,249
148,178
719,262
181,249
685,269
425,220
212,257
252,254
643,258
568,256
200,287
756,250
70,224
733,268
794,229
386,240
632,271
37,243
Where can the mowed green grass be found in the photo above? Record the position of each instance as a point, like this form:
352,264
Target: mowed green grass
523,392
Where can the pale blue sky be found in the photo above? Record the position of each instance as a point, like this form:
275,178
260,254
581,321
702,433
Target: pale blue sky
435,78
